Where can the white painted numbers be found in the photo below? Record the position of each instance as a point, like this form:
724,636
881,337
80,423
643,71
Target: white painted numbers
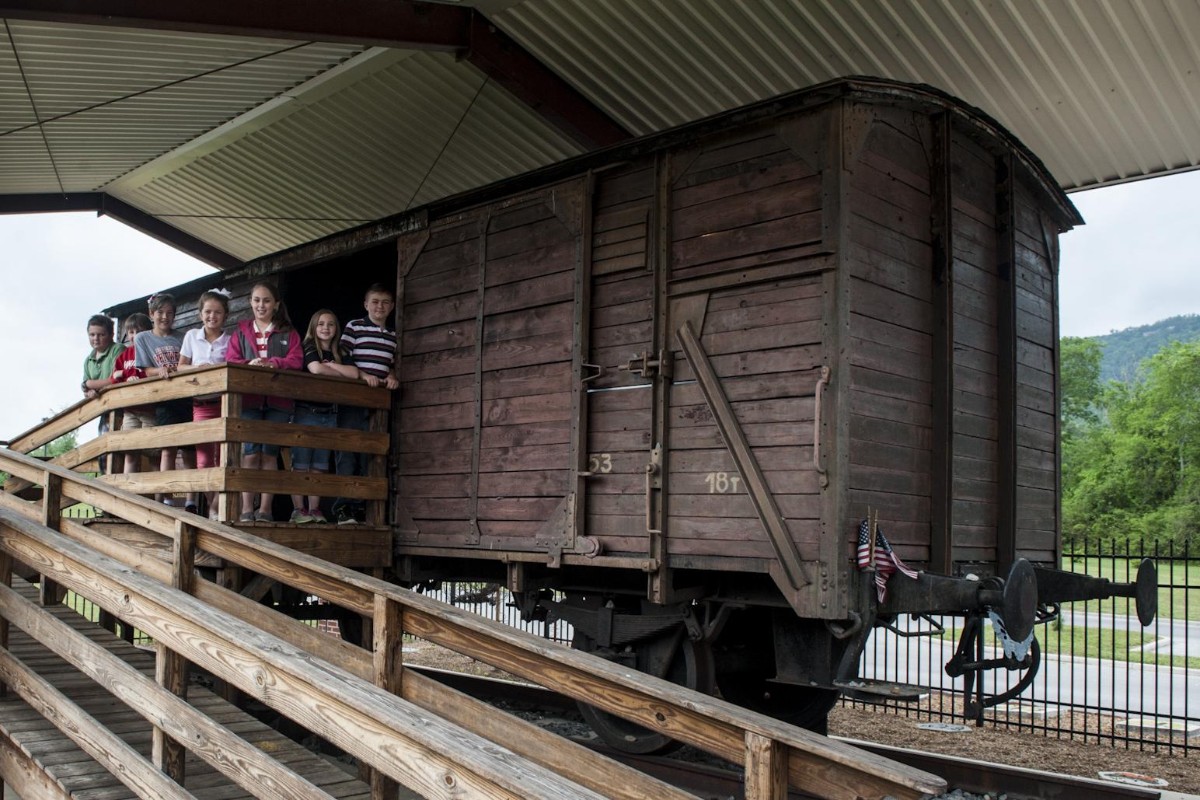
600,463
717,482
722,482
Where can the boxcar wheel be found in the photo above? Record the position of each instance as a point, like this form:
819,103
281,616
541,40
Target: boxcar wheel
690,665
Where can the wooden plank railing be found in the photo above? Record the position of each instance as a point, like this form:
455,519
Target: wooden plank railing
228,382
367,703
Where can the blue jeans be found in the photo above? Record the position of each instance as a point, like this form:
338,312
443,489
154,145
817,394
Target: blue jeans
347,462
270,414
306,458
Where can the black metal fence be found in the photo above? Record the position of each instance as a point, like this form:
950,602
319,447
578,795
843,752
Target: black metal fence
1103,678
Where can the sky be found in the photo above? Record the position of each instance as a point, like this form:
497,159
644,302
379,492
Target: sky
1136,261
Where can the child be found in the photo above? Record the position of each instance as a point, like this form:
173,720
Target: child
207,345
157,352
324,354
125,370
266,341
372,346
98,366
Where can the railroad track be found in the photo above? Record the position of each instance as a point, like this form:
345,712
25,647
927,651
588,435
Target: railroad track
708,779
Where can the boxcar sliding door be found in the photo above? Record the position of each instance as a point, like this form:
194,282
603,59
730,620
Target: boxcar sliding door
490,302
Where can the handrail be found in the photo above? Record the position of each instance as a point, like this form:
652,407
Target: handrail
210,379
229,382
767,748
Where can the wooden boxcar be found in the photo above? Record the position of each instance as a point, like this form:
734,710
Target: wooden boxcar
669,379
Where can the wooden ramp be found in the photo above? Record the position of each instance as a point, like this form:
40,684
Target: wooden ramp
405,727
69,772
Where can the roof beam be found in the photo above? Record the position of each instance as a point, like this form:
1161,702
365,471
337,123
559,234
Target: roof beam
155,228
390,23
49,203
505,61
403,24
107,205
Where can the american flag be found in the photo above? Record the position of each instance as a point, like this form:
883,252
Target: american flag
886,561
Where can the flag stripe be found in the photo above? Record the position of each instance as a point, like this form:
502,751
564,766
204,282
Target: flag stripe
886,560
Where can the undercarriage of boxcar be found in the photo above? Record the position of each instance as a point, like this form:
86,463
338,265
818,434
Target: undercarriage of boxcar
656,392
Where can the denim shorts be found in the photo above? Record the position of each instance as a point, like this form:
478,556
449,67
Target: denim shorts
308,458
268,414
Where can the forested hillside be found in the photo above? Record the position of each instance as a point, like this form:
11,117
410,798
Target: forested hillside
1131,450
1124,350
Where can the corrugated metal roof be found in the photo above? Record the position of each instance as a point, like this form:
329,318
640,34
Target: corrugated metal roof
253,145
110,99
1101,91
424,127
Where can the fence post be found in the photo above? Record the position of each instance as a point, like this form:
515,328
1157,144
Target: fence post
228,503
377,422
5,579
171,669
388,650
766,768
50,593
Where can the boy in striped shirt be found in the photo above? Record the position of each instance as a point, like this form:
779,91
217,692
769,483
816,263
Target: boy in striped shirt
371,342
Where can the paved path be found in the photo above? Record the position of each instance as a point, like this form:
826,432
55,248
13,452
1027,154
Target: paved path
1162,691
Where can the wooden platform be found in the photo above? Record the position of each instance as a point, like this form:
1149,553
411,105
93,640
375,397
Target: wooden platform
72,773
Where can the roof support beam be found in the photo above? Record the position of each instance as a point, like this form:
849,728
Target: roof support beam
409,25
506,62
404,24
121,211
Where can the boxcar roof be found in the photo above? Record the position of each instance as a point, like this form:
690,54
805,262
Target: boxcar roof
239,130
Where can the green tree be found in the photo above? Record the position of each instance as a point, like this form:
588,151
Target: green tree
1081,405
1136,469
1079,379
63,444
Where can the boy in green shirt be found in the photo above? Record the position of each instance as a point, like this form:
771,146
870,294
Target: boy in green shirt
98,366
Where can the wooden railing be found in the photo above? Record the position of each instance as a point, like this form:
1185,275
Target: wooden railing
405,727
228,430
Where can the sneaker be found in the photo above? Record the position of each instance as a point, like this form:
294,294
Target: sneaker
300,516
318,516
345,517
263,516
214,516
247,517
191,508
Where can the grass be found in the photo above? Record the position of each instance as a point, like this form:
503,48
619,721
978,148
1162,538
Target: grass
1178,581
1111,643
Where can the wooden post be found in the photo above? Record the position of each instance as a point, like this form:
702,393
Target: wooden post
377,422
388,650
229,503
49,593
766,768
170,669
6,580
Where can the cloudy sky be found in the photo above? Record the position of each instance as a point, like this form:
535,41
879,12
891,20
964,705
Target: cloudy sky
1135,262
